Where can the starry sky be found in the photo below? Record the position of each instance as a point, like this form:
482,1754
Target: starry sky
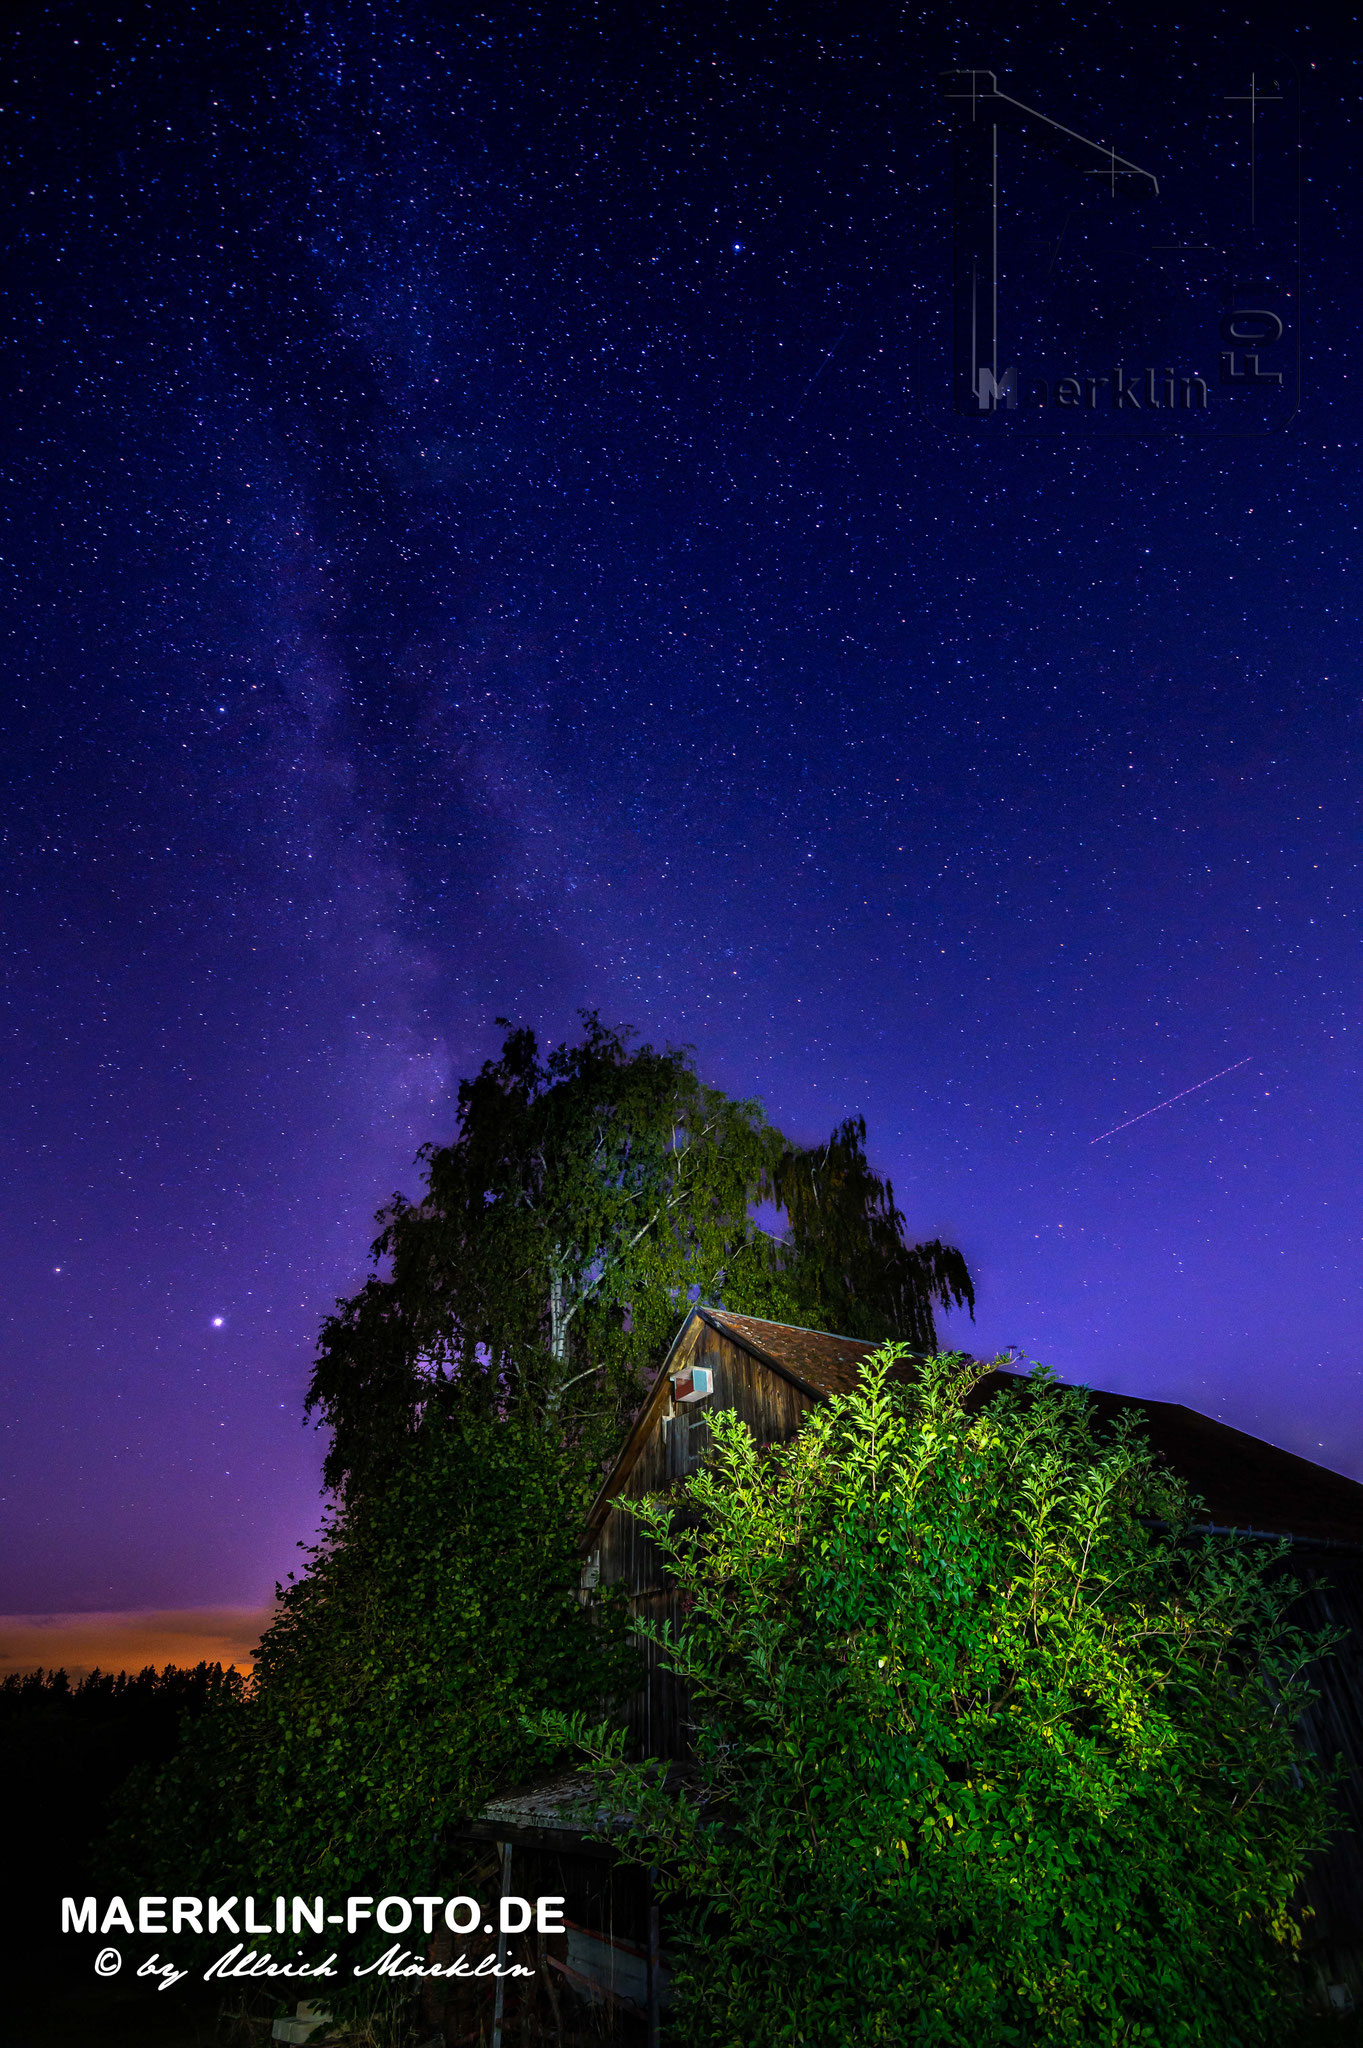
486,532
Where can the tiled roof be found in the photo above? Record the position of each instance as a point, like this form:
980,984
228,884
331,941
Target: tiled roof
824,1363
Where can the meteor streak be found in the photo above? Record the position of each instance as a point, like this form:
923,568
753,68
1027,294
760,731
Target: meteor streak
1168,1099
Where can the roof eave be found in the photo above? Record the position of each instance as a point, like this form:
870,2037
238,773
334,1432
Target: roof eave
629,1450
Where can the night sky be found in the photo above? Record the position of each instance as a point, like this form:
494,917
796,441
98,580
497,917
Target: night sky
486,533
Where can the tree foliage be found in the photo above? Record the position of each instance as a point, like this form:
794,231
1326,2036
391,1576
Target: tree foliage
586,1198
67,1746
990,1745
472,1386
145,1706
846,1264
388,1690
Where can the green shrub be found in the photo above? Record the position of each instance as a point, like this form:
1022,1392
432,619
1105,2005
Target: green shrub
990,1746
388,1691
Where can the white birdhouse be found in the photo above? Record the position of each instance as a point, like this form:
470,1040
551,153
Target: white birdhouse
696,1384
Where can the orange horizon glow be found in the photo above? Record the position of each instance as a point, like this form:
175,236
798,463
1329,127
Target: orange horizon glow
131,1639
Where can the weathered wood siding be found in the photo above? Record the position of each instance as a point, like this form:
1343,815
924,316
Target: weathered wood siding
1332,1945
773,1409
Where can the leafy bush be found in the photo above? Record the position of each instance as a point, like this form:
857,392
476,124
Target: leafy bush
990,1745
387,1693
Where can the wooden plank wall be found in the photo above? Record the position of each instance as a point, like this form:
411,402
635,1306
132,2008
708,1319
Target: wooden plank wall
1332,1944
773,1409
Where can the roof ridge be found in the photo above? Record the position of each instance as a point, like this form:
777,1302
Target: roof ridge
804,1330
1264,1442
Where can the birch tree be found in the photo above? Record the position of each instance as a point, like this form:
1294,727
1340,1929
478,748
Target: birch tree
586,1199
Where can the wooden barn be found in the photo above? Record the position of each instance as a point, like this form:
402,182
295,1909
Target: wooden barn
772,1375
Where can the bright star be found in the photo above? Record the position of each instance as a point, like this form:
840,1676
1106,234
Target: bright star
217,1322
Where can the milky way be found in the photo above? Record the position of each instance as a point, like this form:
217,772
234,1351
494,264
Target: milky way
486,534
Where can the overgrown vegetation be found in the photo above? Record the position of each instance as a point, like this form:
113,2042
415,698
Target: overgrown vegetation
585,1200
990,1747
472,1388
66,1748
388,1690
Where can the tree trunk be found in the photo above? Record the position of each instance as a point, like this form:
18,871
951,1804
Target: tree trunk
558,1321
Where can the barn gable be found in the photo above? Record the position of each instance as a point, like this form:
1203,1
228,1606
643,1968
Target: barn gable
771,1375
